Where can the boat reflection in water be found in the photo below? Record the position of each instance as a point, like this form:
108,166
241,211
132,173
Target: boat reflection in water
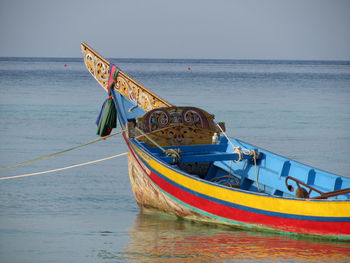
156,237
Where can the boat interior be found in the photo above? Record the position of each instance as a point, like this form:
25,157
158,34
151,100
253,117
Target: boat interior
188,139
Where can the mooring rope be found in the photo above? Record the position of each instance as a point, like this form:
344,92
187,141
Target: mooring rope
63,168
152,141
60,152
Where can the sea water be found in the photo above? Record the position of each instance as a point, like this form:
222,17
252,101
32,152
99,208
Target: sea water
299,109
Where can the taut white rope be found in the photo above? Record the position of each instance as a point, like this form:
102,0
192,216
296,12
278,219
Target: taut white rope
63,168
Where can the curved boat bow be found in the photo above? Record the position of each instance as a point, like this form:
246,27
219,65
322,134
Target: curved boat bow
182,162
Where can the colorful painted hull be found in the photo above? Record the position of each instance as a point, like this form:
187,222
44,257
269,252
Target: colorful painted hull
157,184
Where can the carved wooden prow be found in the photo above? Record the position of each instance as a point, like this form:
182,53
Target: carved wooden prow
125,85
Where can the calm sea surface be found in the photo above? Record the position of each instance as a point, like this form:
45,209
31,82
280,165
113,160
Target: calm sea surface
297,109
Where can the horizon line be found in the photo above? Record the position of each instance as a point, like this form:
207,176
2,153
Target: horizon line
182,59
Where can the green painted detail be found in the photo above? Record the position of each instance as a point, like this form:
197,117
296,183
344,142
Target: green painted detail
115,75
251,226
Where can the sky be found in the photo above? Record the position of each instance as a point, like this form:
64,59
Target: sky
220,29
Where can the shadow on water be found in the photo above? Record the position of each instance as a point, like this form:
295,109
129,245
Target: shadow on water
157,237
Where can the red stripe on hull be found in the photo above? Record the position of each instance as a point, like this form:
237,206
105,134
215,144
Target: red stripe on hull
278,223
254,219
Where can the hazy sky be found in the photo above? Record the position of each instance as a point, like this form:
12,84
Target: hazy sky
243,29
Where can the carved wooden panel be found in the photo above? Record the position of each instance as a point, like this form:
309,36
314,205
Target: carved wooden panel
177,126
165,117
138,94
96,64
179,135
129,88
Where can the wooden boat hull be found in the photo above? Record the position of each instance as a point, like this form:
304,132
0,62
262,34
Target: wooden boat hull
157,185
264,199
148,195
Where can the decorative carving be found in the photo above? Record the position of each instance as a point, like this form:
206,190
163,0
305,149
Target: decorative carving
193,118
100,68
179,135
177,126
158,119
172,116
138,94
97,66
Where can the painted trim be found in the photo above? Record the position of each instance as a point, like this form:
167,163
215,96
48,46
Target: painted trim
248,219
281,205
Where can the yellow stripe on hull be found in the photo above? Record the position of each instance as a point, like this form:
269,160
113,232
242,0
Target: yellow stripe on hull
318,208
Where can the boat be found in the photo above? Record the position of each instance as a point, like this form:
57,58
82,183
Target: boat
182,162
